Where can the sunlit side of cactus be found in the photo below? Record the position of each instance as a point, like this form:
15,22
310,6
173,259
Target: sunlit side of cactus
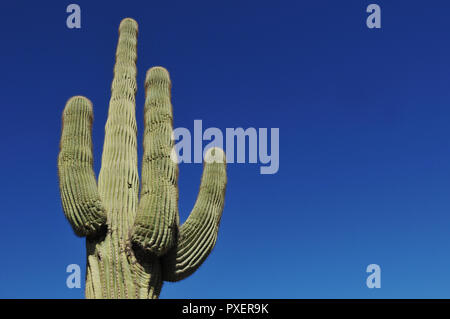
134,241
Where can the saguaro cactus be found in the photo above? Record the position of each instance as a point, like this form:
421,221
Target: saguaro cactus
134,244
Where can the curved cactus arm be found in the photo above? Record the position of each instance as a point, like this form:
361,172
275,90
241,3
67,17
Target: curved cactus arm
157,217
199,233
80,198
118,178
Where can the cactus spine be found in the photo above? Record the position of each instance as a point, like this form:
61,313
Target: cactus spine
134,241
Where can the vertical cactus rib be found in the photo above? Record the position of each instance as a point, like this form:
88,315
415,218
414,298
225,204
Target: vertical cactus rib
157,216
199,233
80,198
118,179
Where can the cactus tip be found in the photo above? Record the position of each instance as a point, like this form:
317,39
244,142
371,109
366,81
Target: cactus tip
157,73
77,102
128,23
215,155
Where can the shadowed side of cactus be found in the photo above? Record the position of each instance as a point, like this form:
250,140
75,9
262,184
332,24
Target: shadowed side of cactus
134,241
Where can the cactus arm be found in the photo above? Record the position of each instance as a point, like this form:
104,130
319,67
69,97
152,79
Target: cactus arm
199,233
80,198
157,217
118,178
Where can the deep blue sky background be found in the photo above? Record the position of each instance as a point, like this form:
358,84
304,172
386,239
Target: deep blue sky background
364,139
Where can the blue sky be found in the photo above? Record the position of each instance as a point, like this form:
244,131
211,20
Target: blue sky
364,139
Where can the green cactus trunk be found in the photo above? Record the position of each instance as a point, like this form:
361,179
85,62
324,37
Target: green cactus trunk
134,242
